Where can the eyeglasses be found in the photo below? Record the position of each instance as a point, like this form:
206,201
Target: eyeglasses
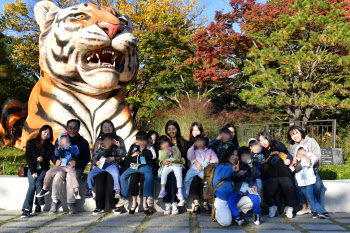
73,128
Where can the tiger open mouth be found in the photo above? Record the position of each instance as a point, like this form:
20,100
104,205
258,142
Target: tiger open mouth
104,58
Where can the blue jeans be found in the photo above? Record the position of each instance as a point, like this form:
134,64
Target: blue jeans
234,199
111,168
318,186
35,186
191,173
148,184
315,206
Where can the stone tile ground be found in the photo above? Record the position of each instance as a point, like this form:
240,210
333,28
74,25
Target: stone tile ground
10,221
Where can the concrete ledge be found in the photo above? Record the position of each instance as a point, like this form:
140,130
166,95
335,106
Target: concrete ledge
13,190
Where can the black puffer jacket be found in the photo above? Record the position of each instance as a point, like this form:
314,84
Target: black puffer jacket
33,152
145,153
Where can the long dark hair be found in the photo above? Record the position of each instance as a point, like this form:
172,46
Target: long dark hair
37,139
298,128
272,143
150,133
178,136
201,129
234,139
101,134
228,153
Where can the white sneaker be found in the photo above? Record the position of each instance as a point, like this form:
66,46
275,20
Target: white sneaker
288,211
272,211
122,202
303,212
175,210
182,202
150,201
167,209
256,219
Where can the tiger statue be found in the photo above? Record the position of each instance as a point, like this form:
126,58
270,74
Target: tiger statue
87,54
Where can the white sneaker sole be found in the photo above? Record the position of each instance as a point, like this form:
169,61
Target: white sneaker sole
43,194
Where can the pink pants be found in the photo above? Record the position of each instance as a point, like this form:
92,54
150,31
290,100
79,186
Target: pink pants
50,174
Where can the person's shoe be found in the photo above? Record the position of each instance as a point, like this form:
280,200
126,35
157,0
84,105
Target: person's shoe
117,210
133,211
196,210
303,212
42,193
122,202
324,215
175,210
25,214
55,206
77,195
167,209
207,209
162,193
72,209
180,196
272,211
37,210
117,194
240,221
182,202
96,212
288,211
150,201
88,194
314,214
256,219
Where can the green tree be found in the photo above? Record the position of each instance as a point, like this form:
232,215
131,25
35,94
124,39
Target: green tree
301,63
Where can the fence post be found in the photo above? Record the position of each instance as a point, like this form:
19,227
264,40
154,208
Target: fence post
334,132
242,132
267,128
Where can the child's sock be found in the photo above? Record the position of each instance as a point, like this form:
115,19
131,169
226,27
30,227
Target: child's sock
162,188
179,190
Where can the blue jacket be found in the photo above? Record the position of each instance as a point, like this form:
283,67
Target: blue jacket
224,172
70,153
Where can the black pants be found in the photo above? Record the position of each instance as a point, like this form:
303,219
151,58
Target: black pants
134,188
171,189
196,189
285,185
104,192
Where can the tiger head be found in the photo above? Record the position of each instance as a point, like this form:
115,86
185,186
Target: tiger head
88,48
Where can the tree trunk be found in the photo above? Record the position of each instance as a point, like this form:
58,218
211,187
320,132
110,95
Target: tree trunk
307,115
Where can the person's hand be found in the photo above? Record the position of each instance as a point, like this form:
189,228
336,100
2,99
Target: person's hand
58,162
166,162
250,164
235,168
110,159
287,162
39,159
98,163
35,175
241,173
135,154
149,147
198,166
116,142
73,163
255,189
263,161
219,137
195,145
295,161
308,160
131,164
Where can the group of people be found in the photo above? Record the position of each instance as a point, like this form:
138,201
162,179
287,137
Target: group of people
262,176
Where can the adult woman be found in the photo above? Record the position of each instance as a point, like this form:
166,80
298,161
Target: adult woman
172,129
277,175
195,130
297,137
107,126
38,154
233,130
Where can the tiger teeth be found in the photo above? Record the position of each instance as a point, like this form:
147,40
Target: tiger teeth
88,58
99,62
114,64
97,56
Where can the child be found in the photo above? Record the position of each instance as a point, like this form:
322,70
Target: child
200,157
305,176
220,144
245,185
105,159
65,153
258,160
139,159
173,155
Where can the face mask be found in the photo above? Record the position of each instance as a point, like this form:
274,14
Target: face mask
248,160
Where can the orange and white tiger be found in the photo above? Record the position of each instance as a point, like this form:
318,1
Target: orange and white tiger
87,54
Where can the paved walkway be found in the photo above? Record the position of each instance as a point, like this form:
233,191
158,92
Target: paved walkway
10,221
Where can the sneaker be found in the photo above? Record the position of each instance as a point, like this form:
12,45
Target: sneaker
167,209
37,210
180,196
77,195
55,206
122,202
272,211
175,210
324,215
72,209
240,221
96,212
117,210
288,211
303,212
196,210
207,209
25,214
256,219
117,194
88,194
150,201
314,214
42,193
162,193
182,202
